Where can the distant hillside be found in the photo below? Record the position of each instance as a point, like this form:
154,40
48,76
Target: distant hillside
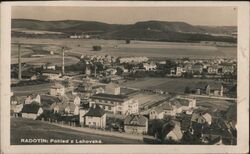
146,30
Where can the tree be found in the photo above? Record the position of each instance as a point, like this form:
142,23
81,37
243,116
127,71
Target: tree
97,48
187,90
127,41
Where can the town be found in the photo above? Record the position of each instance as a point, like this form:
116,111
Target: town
101,93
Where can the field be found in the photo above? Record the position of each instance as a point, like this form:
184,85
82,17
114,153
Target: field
120,48
32,129
176,85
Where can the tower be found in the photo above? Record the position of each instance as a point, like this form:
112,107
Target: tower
19,63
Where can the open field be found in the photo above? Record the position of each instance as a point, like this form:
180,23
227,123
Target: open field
176,85
214,103
32,129
135,48
26,90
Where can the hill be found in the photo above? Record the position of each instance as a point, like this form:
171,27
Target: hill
146,30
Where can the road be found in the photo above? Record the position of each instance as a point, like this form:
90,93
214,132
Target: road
34,129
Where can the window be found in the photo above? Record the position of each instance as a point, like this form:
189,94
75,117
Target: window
109,107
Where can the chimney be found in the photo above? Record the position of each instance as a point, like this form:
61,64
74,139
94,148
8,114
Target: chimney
19,63
63,61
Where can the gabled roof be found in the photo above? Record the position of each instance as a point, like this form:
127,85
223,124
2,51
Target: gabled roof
95,112
135,120
31,108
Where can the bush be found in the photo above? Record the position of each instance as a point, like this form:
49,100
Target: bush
97,48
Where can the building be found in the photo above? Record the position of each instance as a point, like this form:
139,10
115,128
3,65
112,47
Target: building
32,98
31,111
175,134
133,59
95,117
116,104
202,118
213,88
49,66
213,69
136,123
52,74
113,89
162,110
57,90
149,66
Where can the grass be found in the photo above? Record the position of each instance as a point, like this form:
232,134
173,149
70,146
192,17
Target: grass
33,129
176,85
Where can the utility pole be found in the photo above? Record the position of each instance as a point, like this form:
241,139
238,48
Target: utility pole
63,61
19,63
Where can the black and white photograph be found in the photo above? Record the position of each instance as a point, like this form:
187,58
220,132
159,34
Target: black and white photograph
125,75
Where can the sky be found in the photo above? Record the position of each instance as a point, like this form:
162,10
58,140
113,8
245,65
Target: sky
210,16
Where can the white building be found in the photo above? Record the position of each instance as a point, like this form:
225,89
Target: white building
95,117
57,90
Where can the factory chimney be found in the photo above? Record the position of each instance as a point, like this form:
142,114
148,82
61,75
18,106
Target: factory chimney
19,63
63,61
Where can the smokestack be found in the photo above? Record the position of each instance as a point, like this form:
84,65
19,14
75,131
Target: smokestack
19,63
95,70
63,61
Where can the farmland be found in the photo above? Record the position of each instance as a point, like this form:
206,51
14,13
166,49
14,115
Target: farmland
120,48
32,129
176,85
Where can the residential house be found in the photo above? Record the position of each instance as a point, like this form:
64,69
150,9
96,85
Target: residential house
16,106
57,90
95,117
32,98
49,66
228,68
213,69
202,118
214,88
31,111
149,66
162,110
197,68
175,134
52,74
136,123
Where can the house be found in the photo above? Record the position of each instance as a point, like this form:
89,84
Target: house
57,90
15,109
31,111
49,66
162,110
179,70
32,98
213,88
133,60
136,123
95,117
175,134
202,118
197,68
149,66
228,68
213,69
184,104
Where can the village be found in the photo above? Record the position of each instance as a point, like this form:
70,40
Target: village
93,94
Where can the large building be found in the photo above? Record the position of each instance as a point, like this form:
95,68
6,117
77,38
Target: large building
114,102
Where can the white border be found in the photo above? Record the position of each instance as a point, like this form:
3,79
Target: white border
243,86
